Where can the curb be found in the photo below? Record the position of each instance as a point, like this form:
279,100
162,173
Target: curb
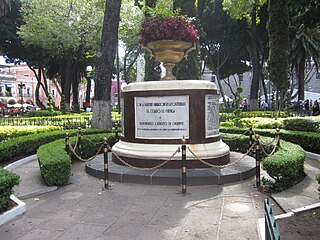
22,206
14,212
261,222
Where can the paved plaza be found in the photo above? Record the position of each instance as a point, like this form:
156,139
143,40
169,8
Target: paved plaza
84,210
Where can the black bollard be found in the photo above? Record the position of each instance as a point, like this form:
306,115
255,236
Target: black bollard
105,164
258,158
67,143
116,130
184,166
278,137
79,152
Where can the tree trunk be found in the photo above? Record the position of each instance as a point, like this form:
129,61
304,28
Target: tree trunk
65,69
301,68
88,90
255,64
75,88
105,58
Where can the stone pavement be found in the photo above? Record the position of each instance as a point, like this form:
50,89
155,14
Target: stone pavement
83,210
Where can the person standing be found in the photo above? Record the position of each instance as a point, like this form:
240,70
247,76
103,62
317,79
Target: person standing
315,108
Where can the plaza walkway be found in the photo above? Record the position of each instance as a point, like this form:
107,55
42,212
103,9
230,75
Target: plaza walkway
84,210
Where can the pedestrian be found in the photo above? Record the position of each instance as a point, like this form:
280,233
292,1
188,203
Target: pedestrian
315,108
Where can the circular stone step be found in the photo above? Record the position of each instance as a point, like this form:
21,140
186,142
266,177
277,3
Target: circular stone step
239,171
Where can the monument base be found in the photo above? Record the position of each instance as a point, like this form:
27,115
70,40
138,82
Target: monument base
150,155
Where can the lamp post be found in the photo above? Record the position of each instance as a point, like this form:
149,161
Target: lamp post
21,86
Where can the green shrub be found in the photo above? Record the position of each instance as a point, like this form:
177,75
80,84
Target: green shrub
248,114
55,163
227,124
301,124
261,123
67,121
29,144
43,113
307,140
285,166
318,177
7,181
8,132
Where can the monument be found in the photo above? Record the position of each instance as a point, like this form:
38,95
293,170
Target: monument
157,115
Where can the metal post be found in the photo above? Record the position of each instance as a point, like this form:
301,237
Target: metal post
184,166
258,158
79,142
67,142
278,137
250,139
116,130
105,164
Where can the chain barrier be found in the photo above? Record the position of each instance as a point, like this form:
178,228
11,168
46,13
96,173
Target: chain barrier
238,137
273,150
222,166
80,158
143,169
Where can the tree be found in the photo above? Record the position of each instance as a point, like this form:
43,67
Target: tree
66,31
223,37
239,9
105,58
278,29
5,7
304,38
188,69
129,34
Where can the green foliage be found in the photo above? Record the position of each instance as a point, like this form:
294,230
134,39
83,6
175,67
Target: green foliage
226,124
23,145
50,103
301,124
55,162
163,8
310,141
261,123
8,132
278,31
7,181
67,121
43,113
286,165
63,104
239,9
250,114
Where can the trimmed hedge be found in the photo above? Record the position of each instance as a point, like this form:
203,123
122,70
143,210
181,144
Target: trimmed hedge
43,113
302,124
309,141
7,181
265,114
285,166
8,132
55,162
29,144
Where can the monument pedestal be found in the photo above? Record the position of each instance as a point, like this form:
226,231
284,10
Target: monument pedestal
158,115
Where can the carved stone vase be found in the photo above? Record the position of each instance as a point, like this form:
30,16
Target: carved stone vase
169,52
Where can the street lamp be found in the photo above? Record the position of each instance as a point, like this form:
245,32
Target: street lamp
21,86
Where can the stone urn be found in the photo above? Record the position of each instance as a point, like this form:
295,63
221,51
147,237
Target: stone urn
169,52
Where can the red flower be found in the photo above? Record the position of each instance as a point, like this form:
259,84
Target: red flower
176,28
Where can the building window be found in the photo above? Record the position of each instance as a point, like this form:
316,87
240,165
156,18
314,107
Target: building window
28,92
26,75
53,93
318,75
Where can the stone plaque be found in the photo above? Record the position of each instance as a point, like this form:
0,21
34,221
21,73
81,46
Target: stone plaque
212,115
162,117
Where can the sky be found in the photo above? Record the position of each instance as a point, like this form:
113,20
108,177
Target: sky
2,61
